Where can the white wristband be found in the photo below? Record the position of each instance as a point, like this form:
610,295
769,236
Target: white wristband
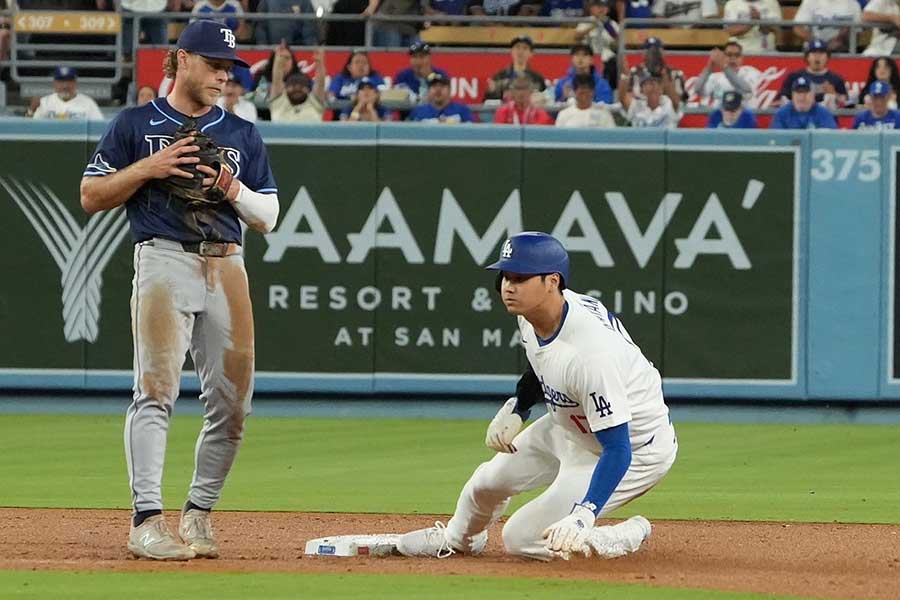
258,211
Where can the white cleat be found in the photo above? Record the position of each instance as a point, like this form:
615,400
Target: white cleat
618,540
430,542
153,539
196,531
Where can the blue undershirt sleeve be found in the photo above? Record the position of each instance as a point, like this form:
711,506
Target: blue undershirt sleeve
611,467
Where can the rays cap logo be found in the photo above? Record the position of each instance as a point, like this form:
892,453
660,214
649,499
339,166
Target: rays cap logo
210,40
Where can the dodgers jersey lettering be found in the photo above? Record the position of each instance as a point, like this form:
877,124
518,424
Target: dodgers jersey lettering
594,376
138,132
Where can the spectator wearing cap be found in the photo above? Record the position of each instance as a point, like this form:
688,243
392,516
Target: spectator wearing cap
227,12
686,10
344,84
415,77
440,107
885,13
654,108
520,110
880,115
731,114
829,87
724,72
66,102
882,69
583,64
504,8
366,104
294,97
654,65
304,32
755,39
803,112
521,49
602,34
836,38
232,101
584,113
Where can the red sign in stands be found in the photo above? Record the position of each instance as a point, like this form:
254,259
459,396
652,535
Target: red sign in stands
471,70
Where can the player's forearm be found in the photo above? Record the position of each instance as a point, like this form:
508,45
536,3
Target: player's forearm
611,467
109,191
258,211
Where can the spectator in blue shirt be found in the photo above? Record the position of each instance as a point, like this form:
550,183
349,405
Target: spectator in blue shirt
830,88
344,84
440,108
803,112
583,64
415,78
731,115
223,11
366,104
879,116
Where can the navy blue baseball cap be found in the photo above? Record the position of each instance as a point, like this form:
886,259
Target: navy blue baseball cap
879,88
816,46
435,78
64,74
210,39
653,42
801,84
367,82
732,100
419,48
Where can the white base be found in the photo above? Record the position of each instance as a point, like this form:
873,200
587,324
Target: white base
378,544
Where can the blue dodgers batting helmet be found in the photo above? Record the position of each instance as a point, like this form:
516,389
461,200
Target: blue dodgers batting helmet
533,253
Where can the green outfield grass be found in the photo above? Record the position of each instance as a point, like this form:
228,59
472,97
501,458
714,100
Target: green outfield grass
743,472
153,586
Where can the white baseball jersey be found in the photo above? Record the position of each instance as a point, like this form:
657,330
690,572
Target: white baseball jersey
884,41
718,84
828,10
80,107
754,41
595,116
594,376
641,115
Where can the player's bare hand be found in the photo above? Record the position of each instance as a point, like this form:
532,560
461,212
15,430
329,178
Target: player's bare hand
167,161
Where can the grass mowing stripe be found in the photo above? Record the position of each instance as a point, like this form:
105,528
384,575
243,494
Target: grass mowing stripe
743,472
275,586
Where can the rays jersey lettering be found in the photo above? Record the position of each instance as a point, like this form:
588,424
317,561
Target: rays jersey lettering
136,133
232,155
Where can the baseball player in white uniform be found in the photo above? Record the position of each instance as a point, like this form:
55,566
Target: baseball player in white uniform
606,439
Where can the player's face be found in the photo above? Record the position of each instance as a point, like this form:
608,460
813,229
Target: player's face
439,94
522,294
521,53
359,66
584,96
420,63
66,90
803,100
817,60
581,61
204,78
733,56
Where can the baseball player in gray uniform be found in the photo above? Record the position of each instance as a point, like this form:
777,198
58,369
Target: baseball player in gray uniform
190,289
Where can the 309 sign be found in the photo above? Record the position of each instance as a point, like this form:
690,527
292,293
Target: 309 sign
845,164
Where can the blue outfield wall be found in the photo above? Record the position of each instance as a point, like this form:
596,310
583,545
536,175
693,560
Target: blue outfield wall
842,311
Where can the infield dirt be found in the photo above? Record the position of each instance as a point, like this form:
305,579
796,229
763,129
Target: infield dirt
821,560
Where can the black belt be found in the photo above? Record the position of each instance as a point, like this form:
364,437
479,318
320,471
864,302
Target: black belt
210,248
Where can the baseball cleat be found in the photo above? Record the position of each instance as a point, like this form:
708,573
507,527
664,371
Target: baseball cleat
154,539
618,540
196,531
431,542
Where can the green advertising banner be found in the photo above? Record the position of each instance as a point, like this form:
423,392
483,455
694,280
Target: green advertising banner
377,263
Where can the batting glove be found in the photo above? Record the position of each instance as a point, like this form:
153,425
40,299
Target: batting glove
570,534
503,428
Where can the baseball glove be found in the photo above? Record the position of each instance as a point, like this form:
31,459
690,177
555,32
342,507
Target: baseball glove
191,191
